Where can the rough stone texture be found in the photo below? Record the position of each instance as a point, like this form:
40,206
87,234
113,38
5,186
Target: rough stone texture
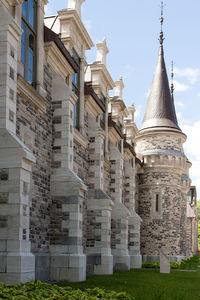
35,130
158,141
162,201
81,162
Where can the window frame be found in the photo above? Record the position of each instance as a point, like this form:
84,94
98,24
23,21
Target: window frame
33,31
76,89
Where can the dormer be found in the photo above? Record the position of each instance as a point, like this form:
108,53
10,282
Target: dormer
98,73
117,105
130,128
72,30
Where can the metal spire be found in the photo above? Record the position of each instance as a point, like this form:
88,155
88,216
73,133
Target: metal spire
172,77
161,39
160,110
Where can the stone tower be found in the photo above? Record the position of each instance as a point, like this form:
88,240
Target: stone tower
163,181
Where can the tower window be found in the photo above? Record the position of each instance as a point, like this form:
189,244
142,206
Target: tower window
28,40
157,202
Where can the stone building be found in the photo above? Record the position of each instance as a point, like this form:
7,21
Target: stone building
73,193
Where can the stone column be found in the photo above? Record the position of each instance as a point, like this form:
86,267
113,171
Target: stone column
120,214
68,192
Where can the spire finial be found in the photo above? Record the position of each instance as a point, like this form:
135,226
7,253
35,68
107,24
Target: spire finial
172,77
161,39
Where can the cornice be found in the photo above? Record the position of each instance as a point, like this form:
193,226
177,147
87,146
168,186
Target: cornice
98,67
72,15
132,126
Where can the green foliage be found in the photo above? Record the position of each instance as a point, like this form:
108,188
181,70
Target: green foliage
190,263
186,264
40,291
198,206
151,265
174,265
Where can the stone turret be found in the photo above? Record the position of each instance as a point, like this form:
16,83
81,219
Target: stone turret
163,182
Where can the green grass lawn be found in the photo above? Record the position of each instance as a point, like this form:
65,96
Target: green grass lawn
147,284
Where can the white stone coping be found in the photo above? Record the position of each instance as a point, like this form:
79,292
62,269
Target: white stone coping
80,139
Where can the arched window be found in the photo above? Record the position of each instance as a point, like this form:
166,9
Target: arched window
28,41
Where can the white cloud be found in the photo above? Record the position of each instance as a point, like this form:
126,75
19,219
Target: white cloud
49,9
192,149
138,111
190,74
180,87
179,103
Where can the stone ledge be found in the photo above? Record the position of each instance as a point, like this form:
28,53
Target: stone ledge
29,94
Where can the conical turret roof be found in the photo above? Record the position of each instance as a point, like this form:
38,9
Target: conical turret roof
160,110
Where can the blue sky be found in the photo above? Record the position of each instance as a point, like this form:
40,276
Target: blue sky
131,28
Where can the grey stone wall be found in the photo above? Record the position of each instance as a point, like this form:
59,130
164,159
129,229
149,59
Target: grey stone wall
81,162
35,130
165,228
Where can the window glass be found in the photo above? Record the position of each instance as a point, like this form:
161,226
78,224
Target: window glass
28,47
31,16
76,89
24,10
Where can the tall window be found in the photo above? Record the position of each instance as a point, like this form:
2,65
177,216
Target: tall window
102,98
102,121
28,41
76,89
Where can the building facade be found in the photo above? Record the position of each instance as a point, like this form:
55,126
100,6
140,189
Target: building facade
74,197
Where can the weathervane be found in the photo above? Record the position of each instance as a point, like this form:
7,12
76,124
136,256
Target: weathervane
172,77
161,39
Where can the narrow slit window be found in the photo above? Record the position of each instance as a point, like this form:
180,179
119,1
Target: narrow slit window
157,202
